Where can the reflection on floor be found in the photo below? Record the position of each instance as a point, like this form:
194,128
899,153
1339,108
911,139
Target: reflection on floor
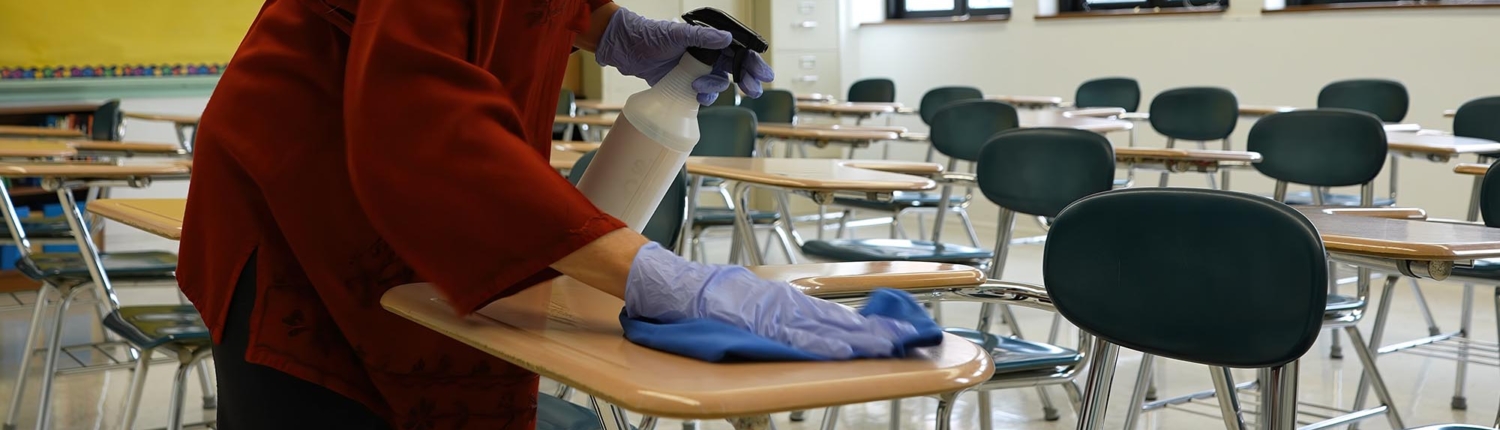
1423,386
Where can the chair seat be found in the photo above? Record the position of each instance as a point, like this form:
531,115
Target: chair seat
715,217
1304,198
557,414
1482,269
117,264
899,200
158,326
893,250
1340,303
52,227
1013,355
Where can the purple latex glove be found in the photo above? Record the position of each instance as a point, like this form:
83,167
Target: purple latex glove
665,287
649,48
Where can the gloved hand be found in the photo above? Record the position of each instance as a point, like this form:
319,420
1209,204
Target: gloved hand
649,48
665,287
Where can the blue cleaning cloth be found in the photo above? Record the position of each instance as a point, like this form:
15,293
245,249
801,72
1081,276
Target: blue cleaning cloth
717,342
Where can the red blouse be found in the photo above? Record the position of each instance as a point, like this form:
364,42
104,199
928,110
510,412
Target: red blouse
357,145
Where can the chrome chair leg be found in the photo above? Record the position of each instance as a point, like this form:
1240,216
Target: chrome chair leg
611,417
1212,183
49,364
895,223
1049,411
968,226
133,393
1171,143
831,418
207,385
1229,400
786,240
895,422
563,391
1432,326
1056,327
1278,397
843,225
1096,390
1377,383
1497,324
1075,395
38,313
1382,315
946,400
1466,318
179,385
986,415
1010,318
1335,348
1138,395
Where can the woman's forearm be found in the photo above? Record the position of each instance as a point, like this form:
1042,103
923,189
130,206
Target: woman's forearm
598,21
604,263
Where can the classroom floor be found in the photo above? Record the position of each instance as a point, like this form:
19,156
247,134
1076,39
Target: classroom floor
1422,386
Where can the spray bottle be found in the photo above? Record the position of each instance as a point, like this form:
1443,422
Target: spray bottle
657,129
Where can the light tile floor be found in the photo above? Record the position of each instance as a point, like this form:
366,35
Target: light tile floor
1422,386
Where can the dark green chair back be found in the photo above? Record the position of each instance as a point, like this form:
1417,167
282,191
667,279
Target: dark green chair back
565,106
1123,93
1155,270
877,90
1322,147
1195,113
1489,197
961,129
729,97
106,122
1384,98
1479,118
773,106
1040,171
938,98
726,131
666,223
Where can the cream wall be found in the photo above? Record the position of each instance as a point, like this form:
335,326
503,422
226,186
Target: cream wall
1443,56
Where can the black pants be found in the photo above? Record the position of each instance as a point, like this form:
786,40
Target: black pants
254,397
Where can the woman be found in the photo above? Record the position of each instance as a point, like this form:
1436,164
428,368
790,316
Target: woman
357,145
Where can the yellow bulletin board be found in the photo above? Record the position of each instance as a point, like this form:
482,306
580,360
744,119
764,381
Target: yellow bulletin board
63,39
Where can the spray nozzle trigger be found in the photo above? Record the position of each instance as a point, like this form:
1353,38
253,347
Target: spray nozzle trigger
745,39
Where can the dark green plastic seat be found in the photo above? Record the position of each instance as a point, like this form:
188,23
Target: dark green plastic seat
150,327
893,250
1384,98
1123,93
1480,119
1195,113
666,222
1489,212
1019,355
565,100
899,200
52,227
962,128
144,264
938,98
1040,171
773,106
1153,284
1321,148
725,131
720,217
106,122
876,90
730,97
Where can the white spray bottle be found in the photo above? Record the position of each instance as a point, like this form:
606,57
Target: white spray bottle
657,129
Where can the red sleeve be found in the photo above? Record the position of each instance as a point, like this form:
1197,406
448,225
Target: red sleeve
437,160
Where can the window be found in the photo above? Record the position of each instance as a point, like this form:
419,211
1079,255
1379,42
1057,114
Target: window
1087,5
943,8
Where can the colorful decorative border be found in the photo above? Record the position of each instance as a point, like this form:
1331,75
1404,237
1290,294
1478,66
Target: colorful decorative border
84,72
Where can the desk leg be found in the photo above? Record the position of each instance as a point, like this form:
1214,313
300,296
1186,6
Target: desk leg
1393,180
1096,390
744,229
1223,173
611,417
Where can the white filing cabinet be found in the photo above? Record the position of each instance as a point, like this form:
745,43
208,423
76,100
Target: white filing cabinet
804,39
